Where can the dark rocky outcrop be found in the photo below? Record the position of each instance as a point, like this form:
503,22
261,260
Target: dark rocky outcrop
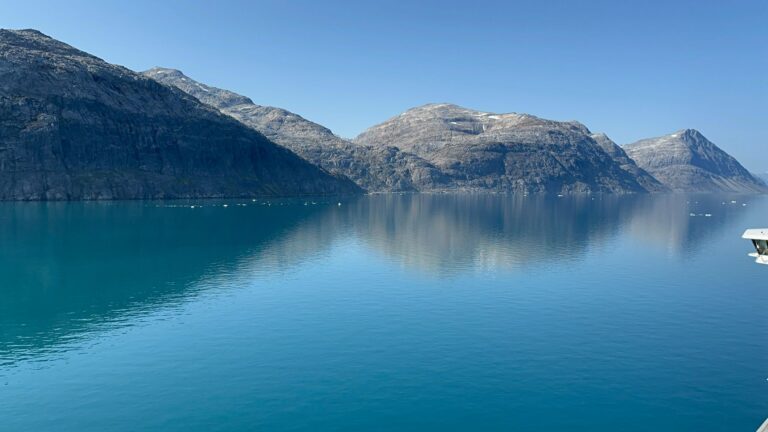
686,161
374,168
504,152
73,126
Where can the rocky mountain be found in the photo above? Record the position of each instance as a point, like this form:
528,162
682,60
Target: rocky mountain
686,161
374,168
73,126
504,152
763,177
647,181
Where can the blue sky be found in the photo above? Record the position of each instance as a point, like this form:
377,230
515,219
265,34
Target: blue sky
630,69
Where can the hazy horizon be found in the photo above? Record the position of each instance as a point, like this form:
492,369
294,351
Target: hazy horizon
631,71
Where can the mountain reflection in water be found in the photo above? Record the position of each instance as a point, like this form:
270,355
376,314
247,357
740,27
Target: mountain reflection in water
385,312
69,268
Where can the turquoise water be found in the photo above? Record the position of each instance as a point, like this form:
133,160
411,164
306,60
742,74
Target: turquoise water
395,312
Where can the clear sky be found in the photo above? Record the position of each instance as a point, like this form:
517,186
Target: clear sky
632,69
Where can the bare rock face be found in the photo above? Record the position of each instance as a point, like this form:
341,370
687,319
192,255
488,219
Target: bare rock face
73,126
375,169
686,161
504,152
647,181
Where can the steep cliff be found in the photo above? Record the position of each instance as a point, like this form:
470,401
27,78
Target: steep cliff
73,126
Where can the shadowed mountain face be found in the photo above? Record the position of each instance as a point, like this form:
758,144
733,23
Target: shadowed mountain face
646,180
376,169
75,127
504,152
686,161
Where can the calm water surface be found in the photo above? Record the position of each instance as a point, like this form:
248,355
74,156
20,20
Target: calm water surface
412,312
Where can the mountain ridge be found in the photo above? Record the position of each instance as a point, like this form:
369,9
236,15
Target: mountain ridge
686,161
375,169
507,152
650,183
73,126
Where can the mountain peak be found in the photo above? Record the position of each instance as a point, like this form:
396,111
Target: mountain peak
435,105
681,139
213,96
445,108
686,161
434,110
158,70
686,134
29,41
35,41
28,31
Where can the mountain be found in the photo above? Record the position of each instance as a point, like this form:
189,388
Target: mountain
686,161
763,177
73,126
376,169
504,152
647,181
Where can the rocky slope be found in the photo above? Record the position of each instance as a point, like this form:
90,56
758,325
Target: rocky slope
762,177
504,152
686,161
647,181
75,127
374,168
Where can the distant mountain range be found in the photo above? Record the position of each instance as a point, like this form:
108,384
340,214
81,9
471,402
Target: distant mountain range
75,127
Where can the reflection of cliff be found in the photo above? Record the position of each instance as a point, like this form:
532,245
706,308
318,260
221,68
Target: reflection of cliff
679,223
437,233
66,266
447,234
451,233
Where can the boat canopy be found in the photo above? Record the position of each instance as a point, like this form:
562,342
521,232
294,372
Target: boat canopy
756,234
759,239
